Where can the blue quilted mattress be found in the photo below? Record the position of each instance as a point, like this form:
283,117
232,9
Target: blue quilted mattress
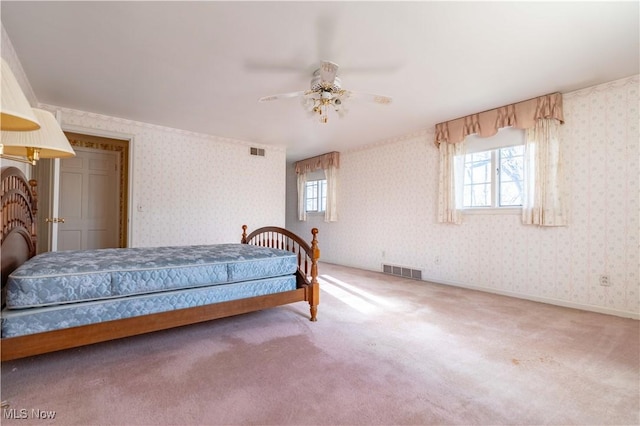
64,277
20,322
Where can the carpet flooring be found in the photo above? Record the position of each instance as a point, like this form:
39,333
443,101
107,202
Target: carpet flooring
385,351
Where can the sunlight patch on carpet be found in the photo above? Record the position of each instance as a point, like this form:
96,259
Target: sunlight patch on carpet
353,300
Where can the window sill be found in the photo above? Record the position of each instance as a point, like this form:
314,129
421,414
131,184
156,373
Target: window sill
494,211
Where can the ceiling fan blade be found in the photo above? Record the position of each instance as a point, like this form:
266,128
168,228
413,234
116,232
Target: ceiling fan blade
312,94
372,69
283,96
291,67
328,72
379,99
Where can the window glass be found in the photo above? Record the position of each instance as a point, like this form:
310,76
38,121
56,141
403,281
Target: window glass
511,176
477,179
493,178
316,195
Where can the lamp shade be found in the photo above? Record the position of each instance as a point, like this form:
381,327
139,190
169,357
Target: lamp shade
49,140
17,114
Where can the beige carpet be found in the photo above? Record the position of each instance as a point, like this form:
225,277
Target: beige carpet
385,350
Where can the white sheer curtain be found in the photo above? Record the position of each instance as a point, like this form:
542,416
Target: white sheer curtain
302,184
331,212
450,194
544,182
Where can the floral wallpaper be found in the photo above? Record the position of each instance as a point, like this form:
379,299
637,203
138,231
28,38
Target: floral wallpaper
191,188
387,214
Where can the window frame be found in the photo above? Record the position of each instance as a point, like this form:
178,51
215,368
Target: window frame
495,183
321,185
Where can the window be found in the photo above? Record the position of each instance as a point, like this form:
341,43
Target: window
316,195
494,178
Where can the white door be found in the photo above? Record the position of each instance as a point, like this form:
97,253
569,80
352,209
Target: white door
89,200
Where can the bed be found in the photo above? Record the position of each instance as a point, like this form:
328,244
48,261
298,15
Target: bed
60,300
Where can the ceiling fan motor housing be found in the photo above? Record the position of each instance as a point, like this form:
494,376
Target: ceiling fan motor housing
318,85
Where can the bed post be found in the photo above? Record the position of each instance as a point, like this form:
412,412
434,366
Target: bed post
314,294
244,234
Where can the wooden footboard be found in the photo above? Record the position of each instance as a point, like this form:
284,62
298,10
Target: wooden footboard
308,255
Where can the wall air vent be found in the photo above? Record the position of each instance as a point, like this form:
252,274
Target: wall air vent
257,151
402,271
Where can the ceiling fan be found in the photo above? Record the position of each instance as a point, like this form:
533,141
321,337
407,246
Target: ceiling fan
326,92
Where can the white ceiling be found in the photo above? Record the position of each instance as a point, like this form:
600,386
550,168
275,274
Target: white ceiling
201,66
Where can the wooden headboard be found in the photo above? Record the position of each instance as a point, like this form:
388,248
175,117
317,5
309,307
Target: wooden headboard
19,208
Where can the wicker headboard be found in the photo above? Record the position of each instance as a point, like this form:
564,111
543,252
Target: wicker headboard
19,207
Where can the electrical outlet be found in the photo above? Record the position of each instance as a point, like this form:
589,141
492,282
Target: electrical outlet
604,280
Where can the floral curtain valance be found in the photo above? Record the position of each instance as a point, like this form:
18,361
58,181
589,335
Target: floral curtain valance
324,162
521,115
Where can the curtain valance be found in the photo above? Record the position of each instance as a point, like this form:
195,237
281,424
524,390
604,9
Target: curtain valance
325,161
521,115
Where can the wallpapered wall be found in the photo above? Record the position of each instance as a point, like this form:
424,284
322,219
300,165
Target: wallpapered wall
387,214
193,188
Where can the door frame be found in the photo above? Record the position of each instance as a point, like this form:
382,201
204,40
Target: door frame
52,179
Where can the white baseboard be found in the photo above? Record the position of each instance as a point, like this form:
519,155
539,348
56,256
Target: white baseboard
550,301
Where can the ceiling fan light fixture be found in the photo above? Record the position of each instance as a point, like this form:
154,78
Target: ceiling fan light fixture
308,103
326,91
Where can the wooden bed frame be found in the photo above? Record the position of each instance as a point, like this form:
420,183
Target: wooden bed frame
19,207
